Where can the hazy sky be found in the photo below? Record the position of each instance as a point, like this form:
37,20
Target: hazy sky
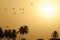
40,25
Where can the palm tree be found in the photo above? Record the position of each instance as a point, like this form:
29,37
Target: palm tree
1,33
9,34
55,34
14,34
5,34
23,30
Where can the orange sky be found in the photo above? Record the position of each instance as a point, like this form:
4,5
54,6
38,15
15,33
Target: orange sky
39,26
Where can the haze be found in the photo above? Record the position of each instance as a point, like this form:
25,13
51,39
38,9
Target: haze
40,25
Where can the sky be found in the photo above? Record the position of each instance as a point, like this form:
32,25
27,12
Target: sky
41,16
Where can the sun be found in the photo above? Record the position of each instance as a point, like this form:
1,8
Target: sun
48,10
45,10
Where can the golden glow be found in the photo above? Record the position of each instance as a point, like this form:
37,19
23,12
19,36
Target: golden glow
42,17
48,10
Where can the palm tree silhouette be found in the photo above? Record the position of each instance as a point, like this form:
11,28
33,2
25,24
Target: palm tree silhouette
23,30
6,34
9,34
1,33
14,35
55,34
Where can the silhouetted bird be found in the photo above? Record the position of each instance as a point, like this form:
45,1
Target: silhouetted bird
32,4
23,9
14,12
5,8
22,12
13,8
7,26
20,8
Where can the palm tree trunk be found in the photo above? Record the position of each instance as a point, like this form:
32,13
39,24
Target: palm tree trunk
8,39
19,36
4,38
1,38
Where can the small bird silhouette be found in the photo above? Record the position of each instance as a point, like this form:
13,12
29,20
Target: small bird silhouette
14,12
31,3
13,8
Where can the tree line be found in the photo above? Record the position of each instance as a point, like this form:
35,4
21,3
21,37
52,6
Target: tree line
54,36
12,34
